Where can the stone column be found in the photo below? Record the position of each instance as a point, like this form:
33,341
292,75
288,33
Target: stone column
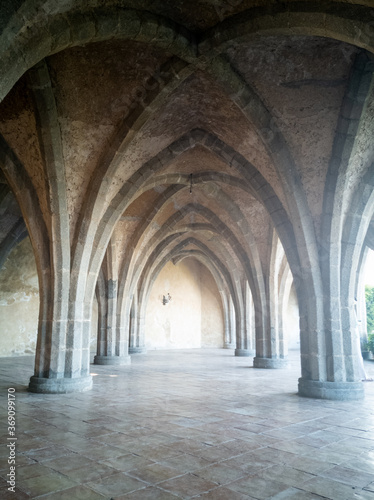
62,353
109,352
62,358
244,346
271,354
226,318
231,330
136,340
331,354
110,347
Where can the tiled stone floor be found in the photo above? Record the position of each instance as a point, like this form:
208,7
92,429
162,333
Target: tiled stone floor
187,424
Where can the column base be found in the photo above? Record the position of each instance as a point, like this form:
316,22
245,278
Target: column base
341,391
272,363
244,352
137,350
59,385
112,360
229,346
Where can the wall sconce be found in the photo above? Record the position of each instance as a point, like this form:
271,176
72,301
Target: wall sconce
166,299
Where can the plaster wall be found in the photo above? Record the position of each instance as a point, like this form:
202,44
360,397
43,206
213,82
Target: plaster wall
19,302
193,318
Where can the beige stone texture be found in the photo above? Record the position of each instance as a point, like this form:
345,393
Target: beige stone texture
304,88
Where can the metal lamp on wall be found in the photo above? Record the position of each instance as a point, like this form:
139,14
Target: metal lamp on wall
166,299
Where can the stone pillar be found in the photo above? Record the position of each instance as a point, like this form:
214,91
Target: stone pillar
271,352
102,315
231,324
331,356
136,339
268,354
272,358
62,357
326,368
245,344
226,318
109,351
62,354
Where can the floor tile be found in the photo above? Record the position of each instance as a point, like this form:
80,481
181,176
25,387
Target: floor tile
116,485
220,473
154,473
6,494
349,476
286,475
297,494
81,469
330,489
363,495
151,493
41,485
187,486
186,463
75,493
222,493
48,453
257,487
34,470
127,462
102,452
202,415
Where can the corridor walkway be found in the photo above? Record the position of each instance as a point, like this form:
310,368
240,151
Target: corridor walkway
187,424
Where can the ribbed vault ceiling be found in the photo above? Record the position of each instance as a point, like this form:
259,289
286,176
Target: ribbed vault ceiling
158,148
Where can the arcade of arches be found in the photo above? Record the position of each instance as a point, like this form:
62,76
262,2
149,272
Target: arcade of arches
223,149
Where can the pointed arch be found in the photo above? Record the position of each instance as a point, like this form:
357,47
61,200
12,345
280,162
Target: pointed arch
349,23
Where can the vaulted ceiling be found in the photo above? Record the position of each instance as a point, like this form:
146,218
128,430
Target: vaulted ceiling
184,126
